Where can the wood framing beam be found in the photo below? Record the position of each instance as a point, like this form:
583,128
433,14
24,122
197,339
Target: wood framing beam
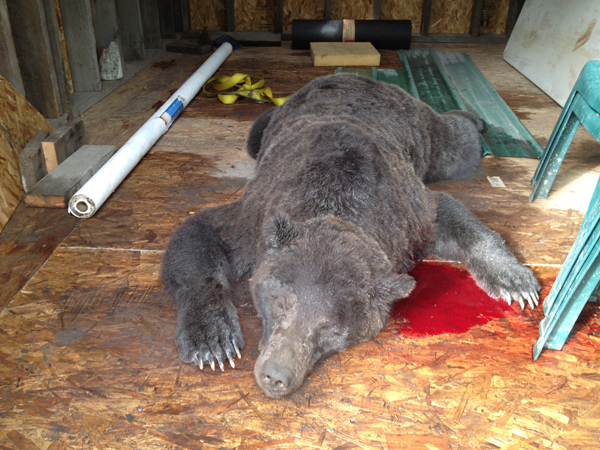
167,23
131,29
377,10
278,16
150,23
81,44
476,16
230,14
34,53
9,64
425,17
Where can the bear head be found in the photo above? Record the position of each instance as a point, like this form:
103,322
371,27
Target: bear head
323,286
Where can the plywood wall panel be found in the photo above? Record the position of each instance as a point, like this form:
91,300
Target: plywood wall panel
352,9
495,13
403,10
19,121
450,17
302,10
255,15
208,13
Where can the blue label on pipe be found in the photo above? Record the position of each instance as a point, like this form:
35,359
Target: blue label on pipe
175,109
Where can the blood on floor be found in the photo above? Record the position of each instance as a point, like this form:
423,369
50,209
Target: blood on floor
445,300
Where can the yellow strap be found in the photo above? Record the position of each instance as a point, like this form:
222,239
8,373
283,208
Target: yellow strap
250,87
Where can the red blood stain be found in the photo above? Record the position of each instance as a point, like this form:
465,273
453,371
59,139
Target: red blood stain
445,300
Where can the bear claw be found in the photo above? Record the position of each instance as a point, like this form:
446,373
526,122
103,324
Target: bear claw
210,358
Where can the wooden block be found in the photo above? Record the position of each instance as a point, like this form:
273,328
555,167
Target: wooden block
32,163
344,54
56,189
63,143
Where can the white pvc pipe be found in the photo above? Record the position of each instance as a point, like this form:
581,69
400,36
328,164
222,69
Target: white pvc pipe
94,193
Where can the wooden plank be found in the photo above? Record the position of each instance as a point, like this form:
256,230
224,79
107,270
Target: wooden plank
150,23
344,54
514,9
476,17
106,24
328,9
377,9
131,29
63,143
60,68
551,42
56,189
9,64
167,22
230,14
278,16
81,44
28,23
32,163
425,17
181,16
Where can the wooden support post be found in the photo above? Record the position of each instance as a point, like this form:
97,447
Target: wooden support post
377,10
32,163
81,44
63,93
9,64
34,52
131,29
56,189
278,16
327,9
186,20
476,16
167,23
150,23
106,24
514,9
230,14
425,17
63,143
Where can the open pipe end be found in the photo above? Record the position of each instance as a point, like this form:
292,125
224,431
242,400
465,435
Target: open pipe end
82,206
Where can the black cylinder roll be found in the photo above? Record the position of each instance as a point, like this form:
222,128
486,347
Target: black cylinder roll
383,34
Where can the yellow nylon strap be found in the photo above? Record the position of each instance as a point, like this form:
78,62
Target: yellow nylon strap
250,87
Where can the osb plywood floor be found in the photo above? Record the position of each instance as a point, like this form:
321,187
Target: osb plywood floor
87,356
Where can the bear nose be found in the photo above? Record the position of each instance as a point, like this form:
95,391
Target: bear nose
275,377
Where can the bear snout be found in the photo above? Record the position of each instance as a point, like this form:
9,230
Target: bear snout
282,365
275,379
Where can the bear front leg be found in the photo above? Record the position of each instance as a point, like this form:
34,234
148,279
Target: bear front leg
461,236
197,273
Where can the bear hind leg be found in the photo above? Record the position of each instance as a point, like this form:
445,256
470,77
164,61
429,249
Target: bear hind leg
461,236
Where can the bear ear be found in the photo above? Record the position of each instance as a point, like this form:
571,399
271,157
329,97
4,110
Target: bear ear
279,230
394,287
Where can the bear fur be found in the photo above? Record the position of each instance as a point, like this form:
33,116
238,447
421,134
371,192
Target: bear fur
333,220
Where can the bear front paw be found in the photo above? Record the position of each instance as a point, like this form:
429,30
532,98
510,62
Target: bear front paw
209,337
510,281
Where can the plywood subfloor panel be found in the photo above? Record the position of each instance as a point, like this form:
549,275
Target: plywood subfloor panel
87,355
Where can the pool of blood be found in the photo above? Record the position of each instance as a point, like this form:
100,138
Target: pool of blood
445,300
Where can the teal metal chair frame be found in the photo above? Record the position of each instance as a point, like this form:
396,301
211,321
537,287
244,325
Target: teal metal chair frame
579,277
582,107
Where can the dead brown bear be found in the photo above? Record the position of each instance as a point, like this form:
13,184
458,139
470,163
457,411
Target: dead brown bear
328,228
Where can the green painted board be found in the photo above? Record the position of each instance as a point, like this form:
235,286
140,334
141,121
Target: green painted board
506,135
448,81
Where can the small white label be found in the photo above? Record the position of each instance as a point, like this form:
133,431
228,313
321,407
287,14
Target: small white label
496,182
